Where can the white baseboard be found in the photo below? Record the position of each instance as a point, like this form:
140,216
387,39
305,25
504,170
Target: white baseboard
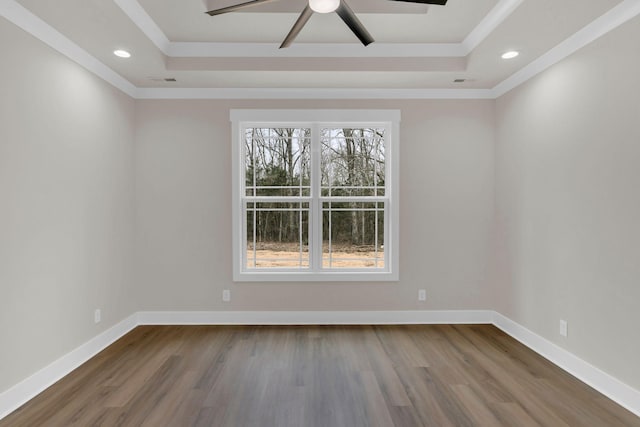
611,387
313,317
27,389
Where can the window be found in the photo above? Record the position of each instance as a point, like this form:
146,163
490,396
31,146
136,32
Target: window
315,195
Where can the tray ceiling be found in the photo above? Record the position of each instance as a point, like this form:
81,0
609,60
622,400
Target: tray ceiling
417,47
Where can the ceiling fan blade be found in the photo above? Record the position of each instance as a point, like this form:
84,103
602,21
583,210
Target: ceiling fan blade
302,20
352,21
440,2
236,7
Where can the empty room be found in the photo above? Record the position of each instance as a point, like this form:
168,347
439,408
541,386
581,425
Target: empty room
320,213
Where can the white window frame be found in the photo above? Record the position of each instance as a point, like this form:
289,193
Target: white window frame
390,119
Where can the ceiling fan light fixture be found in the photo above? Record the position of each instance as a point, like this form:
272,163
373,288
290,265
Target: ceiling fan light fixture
324,6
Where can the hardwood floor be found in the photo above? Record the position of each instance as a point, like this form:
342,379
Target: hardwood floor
325,376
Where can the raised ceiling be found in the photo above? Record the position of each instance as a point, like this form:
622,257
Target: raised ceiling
417,47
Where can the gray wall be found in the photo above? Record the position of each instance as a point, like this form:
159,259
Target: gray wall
545,179
568,203
183,210
66,205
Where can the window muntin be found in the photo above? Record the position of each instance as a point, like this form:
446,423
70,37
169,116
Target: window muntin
353,235
265,250
353,162
277,197
277,162
314,200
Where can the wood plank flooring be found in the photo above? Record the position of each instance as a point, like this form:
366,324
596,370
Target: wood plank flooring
319,376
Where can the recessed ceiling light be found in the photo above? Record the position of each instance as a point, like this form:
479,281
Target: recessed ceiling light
510,55
122,53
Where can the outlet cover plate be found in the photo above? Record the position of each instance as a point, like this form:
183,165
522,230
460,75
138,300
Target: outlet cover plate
564,328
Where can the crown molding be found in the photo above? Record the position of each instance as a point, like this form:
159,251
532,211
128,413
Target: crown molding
147,25
35,26
612,19
23,18
313,50
499,13
143,21
310,93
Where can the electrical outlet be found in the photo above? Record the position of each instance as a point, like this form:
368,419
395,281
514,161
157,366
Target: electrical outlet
422,295
564,328
97,315
226,295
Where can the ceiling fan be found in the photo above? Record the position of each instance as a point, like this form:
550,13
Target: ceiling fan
321,6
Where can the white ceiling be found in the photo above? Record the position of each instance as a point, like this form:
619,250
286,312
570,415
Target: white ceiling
418,48
428,24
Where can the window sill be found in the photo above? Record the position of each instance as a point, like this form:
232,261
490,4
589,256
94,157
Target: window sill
337,276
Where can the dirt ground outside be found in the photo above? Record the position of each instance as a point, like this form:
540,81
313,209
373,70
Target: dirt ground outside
283,255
